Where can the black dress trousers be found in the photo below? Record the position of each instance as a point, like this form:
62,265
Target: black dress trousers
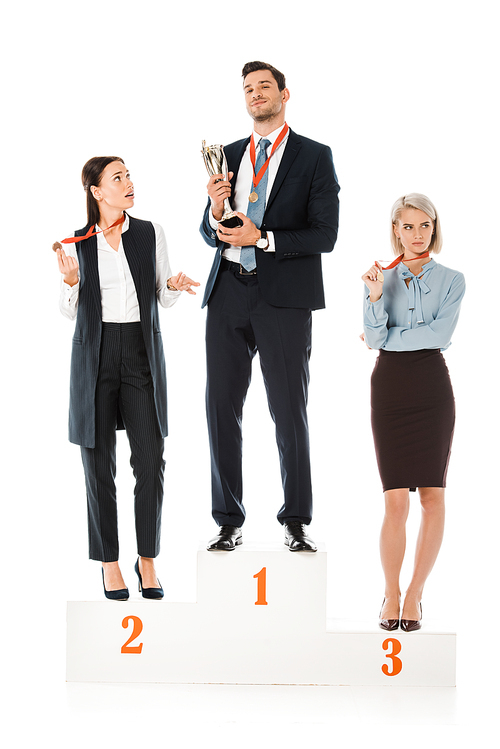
124,385
240,323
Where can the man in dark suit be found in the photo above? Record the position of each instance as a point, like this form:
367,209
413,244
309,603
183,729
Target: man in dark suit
265,280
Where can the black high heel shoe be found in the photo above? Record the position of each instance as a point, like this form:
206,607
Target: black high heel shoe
410,625
115,595
388,624
152,593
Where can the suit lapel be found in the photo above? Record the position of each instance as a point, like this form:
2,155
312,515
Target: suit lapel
87,257
234,154
292,149
131,253
134,251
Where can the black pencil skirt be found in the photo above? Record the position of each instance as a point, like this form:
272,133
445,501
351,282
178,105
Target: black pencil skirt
413,417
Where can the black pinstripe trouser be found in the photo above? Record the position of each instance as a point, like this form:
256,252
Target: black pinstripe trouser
239,323
124,382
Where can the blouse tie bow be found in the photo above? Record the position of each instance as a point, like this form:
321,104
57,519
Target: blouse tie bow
416,288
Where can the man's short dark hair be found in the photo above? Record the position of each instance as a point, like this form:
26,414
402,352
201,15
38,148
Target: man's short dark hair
251,67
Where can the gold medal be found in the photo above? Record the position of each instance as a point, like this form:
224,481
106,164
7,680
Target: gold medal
253,197
380,276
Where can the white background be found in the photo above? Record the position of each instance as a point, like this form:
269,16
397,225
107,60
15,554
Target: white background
406,96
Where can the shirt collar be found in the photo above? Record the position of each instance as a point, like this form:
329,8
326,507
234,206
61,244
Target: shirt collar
125,224
271,137
427,266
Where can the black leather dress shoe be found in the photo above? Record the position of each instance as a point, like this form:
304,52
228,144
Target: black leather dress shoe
296,538
228,537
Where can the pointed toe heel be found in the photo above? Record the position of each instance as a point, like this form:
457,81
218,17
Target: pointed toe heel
412,625
389,625
154,594
115,595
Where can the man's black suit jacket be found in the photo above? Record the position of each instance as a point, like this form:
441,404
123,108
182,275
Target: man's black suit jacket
302,212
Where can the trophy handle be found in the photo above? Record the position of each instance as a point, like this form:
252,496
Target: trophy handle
224,166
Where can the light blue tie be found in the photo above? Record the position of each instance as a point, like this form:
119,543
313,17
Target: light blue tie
256,210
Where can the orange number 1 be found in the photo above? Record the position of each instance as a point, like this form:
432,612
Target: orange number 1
397,663
261,588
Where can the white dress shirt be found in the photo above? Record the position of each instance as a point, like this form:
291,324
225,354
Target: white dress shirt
243,187
118,295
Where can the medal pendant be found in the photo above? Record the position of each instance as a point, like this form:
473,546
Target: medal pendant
380,276
253,197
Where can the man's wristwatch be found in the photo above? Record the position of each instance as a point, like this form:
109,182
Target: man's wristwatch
263,242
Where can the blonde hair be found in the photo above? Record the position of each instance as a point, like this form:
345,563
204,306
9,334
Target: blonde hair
421,203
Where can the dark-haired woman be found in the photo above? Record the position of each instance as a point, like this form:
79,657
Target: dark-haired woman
113,275
411,310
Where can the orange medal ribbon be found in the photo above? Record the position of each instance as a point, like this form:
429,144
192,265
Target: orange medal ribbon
397,261
257,177
90,233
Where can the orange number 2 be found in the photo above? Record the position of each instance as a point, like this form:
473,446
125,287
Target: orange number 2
135,633
261,588
397,663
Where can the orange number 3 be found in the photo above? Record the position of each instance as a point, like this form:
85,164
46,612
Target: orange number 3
397,663
136,631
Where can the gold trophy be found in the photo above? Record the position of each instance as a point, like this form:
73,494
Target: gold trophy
215,162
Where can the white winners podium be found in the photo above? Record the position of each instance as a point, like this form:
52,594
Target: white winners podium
259,618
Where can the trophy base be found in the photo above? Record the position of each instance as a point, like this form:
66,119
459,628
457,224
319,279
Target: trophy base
231,223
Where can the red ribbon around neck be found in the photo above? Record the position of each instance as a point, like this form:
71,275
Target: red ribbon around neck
399,259
90,233
257,177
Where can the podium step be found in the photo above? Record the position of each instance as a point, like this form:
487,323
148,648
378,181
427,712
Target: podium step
260,618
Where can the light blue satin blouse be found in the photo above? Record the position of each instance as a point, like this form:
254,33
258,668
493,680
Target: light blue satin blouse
422,315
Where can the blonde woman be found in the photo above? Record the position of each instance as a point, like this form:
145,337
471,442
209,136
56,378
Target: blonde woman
411,310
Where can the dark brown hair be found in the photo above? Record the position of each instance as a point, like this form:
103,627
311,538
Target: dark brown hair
252,67
91,176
